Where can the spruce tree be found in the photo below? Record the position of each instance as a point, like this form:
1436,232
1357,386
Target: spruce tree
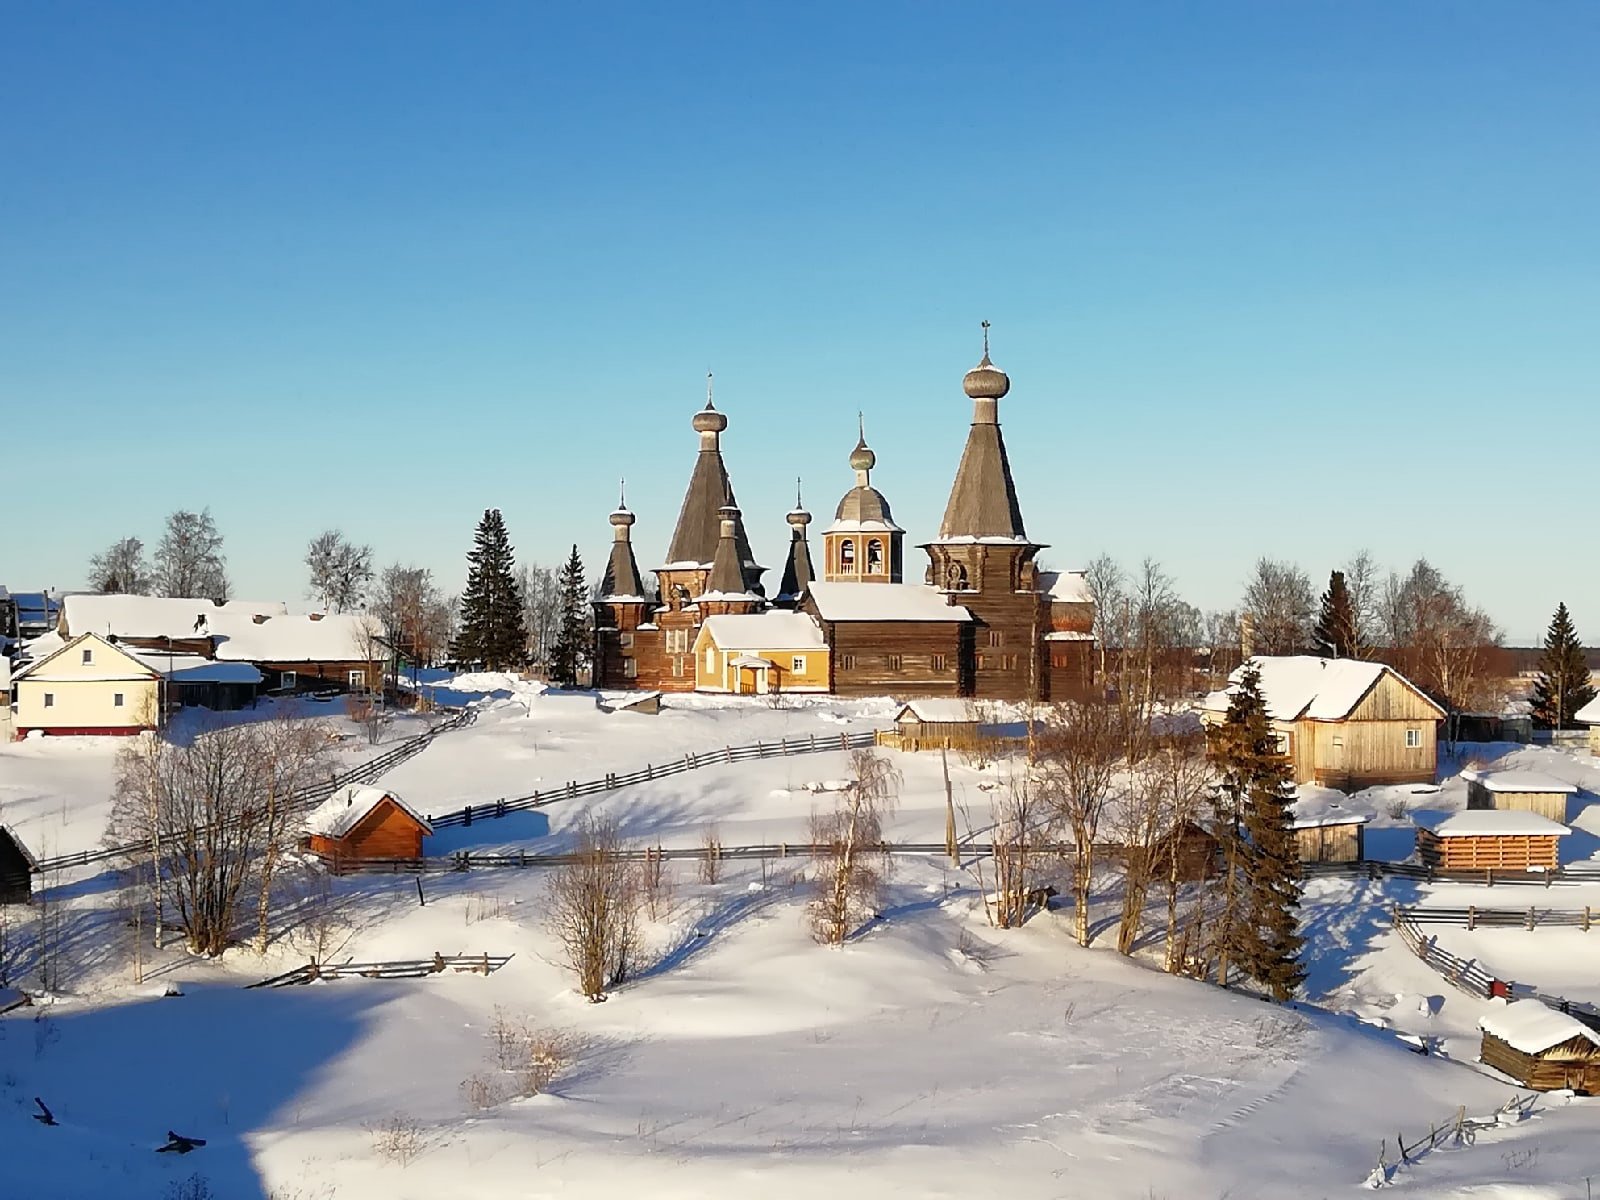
1335,634
1562,686
1262,879
491,630
573,631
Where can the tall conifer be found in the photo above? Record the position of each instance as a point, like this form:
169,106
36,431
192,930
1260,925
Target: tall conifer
1562,686
491,630
1262,880
1335,634
572,635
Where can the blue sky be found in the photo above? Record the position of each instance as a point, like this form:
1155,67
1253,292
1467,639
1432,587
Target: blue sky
1268,279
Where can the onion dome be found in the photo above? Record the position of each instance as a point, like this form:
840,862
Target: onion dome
985,381
798,517
708,419
862,458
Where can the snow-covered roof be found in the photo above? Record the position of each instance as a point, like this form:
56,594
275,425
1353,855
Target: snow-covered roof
192,668
938,712
1589,714
1533,1027
337,637
1068,635
884,602
1065,587
1489,822
108,663
765,631
349,806
159,616
1518,781
1316,809
1297,686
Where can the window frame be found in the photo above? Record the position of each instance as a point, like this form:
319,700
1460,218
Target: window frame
88,656
1413,739
49,700
118,700
797,664
288,681
358,679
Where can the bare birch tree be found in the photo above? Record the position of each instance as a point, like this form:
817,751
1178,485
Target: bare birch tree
1279,601
1021,825
1079,754
121,567
189,560
339,571
593,909
850,863
292,755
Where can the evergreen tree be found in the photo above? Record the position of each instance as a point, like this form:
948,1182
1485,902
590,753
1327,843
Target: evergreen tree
572,633
1261,895
1562,686
491,629
1335,634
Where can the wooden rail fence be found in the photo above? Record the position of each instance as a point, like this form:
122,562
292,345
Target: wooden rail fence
1463,1131
612,781
303,800
418,968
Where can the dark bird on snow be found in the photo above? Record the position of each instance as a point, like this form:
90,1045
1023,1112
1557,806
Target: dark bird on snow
178,1144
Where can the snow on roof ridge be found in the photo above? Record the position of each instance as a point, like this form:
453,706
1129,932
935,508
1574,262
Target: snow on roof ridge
1533,1027
765,631
1488,822
349,806
884,602
1297,686
1517,780
1589,714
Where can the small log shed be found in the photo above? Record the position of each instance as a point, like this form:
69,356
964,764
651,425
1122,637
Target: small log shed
1483,839
17,868
1540,1047
358,823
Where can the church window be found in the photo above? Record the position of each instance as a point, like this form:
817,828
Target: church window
955,577
847,553
875,555
630,668
891,661
938,662
847,662
996,637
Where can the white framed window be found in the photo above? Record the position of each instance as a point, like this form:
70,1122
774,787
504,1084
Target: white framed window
358,679
630,668
49,699
1286,743
1338,742
711,660
677,667
116,700
286,680
625,639
88,657
797,664
1413,739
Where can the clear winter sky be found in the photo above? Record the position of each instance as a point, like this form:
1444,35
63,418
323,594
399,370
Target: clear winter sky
1285,279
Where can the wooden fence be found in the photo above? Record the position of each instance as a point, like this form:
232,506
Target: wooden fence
301,801
418,968
1578,872
610,782
1472,917
1462,1131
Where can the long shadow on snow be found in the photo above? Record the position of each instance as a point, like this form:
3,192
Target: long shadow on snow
1341,921
218,1063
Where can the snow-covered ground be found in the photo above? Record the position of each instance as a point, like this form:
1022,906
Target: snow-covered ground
931,1056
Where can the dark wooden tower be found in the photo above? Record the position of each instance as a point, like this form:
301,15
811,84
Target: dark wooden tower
983,555
620,611
797,569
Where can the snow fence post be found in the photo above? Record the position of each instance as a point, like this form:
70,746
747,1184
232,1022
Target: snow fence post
466,815
1531,921
1472,917
1586,918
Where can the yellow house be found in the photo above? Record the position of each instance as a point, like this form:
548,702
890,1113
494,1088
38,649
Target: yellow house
1343,722
759,653
88,686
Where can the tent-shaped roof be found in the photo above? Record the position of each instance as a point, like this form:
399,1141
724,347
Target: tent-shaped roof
349,806
1532,1027
1305,687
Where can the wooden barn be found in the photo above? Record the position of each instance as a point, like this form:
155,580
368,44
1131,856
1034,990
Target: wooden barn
1326,831
357,823
1344,722
1541,1048
17,869
1488,839
893,639
1519,791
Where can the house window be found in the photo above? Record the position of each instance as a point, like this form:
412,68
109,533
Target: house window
711,660
1285,743
996,637
88,657
891,661
49,699
797,664
286,680
677,667
630,668
116,700
358,679
938,662
847,662
978,661
874,555
1338,743
677,641
625,639
1413,739
847,553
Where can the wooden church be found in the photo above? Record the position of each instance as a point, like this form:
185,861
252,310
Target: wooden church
984,623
